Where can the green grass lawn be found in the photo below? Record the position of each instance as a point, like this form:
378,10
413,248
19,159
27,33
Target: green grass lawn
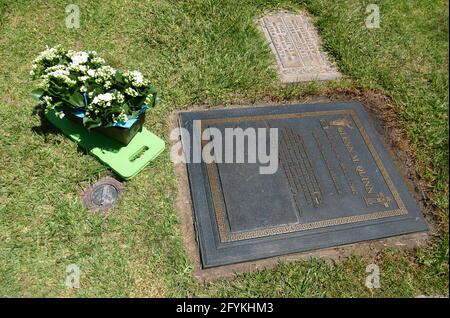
202,52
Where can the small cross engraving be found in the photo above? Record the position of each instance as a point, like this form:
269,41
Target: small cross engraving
381,198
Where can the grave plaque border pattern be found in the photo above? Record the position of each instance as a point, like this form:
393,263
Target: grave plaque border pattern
226,237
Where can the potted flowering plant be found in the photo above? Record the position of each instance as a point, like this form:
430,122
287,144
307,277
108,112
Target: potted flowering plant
81,86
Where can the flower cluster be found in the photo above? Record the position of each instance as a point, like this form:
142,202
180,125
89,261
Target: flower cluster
71,79
107,101
135,78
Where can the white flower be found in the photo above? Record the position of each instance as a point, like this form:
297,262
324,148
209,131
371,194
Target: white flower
98,60
58,72
91,73
104,74
138,78
103,99
130,91
122,117
58,67
107,84
135,77
119,97
48,54
46,101
77,67
106,96
80,58
60,114
44,84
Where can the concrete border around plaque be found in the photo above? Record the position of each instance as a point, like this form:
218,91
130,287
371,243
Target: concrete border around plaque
320,197
296,45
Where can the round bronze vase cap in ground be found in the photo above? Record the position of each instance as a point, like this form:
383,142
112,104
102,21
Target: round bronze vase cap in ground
102,195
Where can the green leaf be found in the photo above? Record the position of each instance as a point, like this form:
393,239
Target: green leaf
119,77
76,100
90,123
37,93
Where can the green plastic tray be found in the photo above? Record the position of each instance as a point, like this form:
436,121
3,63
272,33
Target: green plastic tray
127,160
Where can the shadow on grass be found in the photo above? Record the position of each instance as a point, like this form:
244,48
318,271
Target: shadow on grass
45,128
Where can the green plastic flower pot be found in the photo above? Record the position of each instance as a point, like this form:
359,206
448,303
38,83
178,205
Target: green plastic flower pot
121,134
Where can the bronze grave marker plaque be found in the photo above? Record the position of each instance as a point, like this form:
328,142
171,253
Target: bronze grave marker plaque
332,182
